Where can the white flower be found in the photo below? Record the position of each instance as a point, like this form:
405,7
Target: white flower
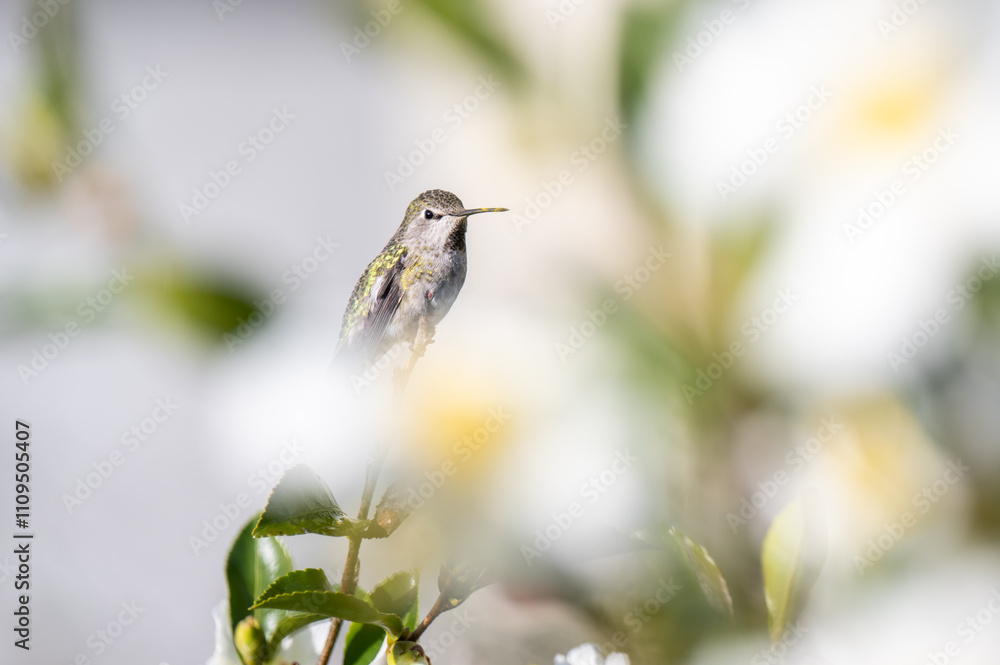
225,652
589,654
874,110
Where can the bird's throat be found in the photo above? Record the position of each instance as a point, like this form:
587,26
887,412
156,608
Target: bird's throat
456,239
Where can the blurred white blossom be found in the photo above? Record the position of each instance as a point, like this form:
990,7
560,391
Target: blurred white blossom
589,654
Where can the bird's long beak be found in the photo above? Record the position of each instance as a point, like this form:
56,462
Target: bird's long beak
476,211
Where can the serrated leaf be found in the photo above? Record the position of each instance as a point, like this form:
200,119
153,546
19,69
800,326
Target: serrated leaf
251,567
308,579
302,503
791,557
412,615
334,604
398,594
710,578
363,643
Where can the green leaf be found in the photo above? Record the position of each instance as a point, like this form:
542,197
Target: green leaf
710,578
252,565
308,579
334,604
214,304
646,33
290,623
399,594
791,557
363,643
302,503
780,560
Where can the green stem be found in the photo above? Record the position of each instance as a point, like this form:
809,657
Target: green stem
352,567
446,601
349,581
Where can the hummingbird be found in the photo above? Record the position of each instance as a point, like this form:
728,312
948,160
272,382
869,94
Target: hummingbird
409,287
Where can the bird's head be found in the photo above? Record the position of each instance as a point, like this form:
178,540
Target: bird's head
438,214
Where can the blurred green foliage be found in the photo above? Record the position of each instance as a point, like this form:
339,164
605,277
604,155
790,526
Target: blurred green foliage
647,31
469,21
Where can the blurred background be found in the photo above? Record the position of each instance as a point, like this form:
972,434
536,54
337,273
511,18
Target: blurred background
751,257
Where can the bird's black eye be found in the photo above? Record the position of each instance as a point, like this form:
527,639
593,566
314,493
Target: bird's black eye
428,214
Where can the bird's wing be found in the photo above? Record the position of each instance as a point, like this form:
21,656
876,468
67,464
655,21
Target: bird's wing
367,320
384,304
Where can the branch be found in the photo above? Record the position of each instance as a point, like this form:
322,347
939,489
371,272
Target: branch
423,339
349,581
448,599
440,607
